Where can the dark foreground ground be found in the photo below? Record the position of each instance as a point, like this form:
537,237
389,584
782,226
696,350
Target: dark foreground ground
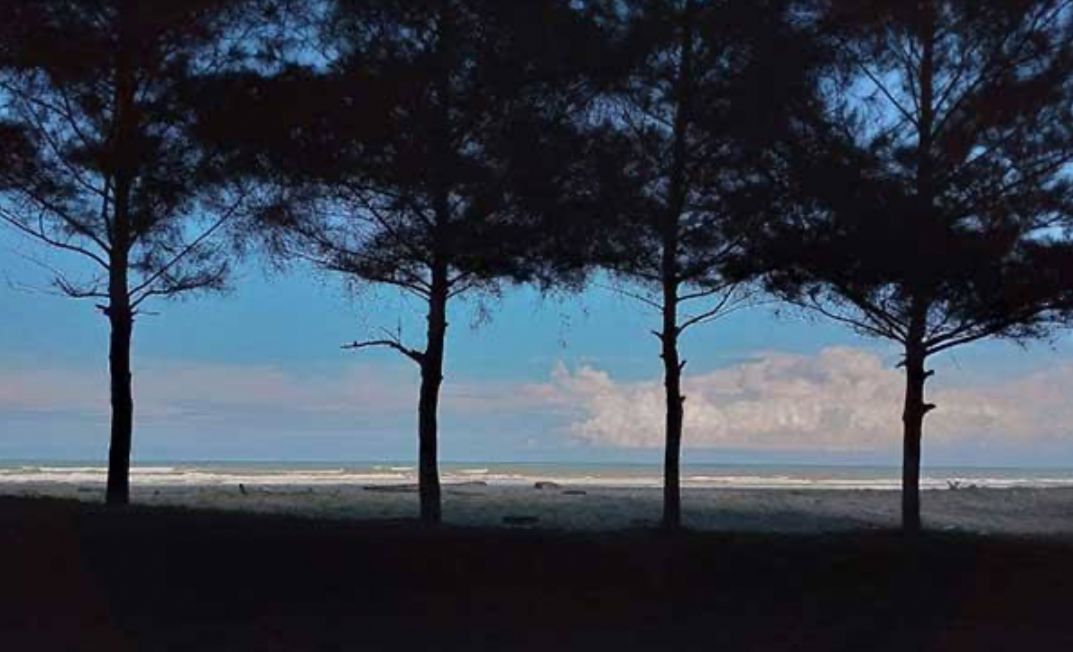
76,577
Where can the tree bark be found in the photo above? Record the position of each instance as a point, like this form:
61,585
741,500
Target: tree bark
913,429
913,414
672,383
121,324
431,379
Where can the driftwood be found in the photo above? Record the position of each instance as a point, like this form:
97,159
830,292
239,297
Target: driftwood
391,488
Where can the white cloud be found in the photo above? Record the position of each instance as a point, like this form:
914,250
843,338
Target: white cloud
841,399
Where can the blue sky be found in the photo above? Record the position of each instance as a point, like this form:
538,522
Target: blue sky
257,373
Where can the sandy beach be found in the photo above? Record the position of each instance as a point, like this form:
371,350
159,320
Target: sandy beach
1021,511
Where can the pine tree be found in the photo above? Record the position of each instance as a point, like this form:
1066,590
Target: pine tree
106,168
930,189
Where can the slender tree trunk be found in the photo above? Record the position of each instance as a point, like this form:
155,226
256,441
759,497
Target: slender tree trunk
439,284
431,379
121,324
669,272
672,383
120,313
913,429
915,352
913,414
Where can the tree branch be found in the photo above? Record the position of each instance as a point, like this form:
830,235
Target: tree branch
866,327
632,295
71,290
708,315
145,285
41,236
393,343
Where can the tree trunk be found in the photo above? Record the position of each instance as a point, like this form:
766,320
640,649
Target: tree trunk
672,383
119,311
915,352
121,324
913,429
669,273
431,379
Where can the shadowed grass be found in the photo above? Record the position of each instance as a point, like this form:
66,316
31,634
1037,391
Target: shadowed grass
80,576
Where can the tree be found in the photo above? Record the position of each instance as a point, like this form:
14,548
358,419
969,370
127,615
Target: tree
412,154
108,170
929,204
705,87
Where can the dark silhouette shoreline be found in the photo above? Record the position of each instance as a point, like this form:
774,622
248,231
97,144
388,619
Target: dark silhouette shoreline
81,577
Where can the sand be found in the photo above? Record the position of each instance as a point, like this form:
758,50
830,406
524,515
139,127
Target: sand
1022,511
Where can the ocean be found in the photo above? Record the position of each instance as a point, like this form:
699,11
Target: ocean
208,474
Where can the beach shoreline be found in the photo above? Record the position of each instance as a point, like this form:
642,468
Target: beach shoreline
588,507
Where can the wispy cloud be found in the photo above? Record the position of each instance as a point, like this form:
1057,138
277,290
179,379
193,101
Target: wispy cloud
175,390
170,389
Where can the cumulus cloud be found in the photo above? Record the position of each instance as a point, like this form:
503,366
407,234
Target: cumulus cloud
841,399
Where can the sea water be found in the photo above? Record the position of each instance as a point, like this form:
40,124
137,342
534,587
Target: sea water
208,474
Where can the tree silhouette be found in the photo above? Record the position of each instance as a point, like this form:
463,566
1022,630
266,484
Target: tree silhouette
416,152
701,91
929,200
107,169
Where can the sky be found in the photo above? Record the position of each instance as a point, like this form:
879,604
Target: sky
257,373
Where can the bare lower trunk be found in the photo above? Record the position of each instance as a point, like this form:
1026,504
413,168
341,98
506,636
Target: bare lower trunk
428,469
913,428
118,492
672,381
431,379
